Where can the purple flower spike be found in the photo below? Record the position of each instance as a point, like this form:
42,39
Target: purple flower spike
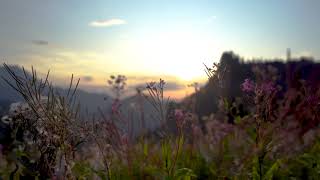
247,86
180,117
268,87
115,108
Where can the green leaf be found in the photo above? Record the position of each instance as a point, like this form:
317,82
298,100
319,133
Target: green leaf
226,103
82,170
237,120
180,141
145,149
184,173
255,168
166,152
252,133
101,174
272,170
20,153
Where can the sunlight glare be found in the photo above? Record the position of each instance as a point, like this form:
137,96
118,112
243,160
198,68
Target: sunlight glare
178,53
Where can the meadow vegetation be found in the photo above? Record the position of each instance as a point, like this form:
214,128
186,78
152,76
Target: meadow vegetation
270,132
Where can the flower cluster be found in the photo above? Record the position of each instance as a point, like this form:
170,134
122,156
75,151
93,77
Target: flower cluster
267,87
180,118
248,86
157,100
156,89
118,84
115,107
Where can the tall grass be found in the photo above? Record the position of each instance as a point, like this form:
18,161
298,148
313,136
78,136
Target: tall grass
278,137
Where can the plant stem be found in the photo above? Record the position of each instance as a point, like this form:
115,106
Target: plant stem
177,153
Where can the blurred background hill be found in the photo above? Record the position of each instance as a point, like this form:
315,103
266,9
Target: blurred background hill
204,102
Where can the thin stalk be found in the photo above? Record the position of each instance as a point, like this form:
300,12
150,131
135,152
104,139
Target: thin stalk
176,154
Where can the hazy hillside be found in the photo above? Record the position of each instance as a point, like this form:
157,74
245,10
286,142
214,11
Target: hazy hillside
238,70
89,101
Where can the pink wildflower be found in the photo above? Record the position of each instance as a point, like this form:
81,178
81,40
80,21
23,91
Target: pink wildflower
115,106
180,117
267,87
124,139
247,86
312,100
196,131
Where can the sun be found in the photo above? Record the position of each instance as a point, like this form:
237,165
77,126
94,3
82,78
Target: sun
180,53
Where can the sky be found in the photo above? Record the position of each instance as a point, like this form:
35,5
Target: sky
151,39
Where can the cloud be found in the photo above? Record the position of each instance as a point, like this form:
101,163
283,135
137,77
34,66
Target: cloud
40,42
87,78
140,81
303,54
211,19
169,86
107,23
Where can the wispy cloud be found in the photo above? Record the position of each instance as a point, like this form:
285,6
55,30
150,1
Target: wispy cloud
211,19
107,23
87,78
171,83
40,42
303,54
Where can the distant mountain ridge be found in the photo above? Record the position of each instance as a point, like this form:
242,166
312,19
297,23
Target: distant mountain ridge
90,101
132,107
206,99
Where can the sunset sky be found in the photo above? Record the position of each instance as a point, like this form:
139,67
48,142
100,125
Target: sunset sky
149,39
